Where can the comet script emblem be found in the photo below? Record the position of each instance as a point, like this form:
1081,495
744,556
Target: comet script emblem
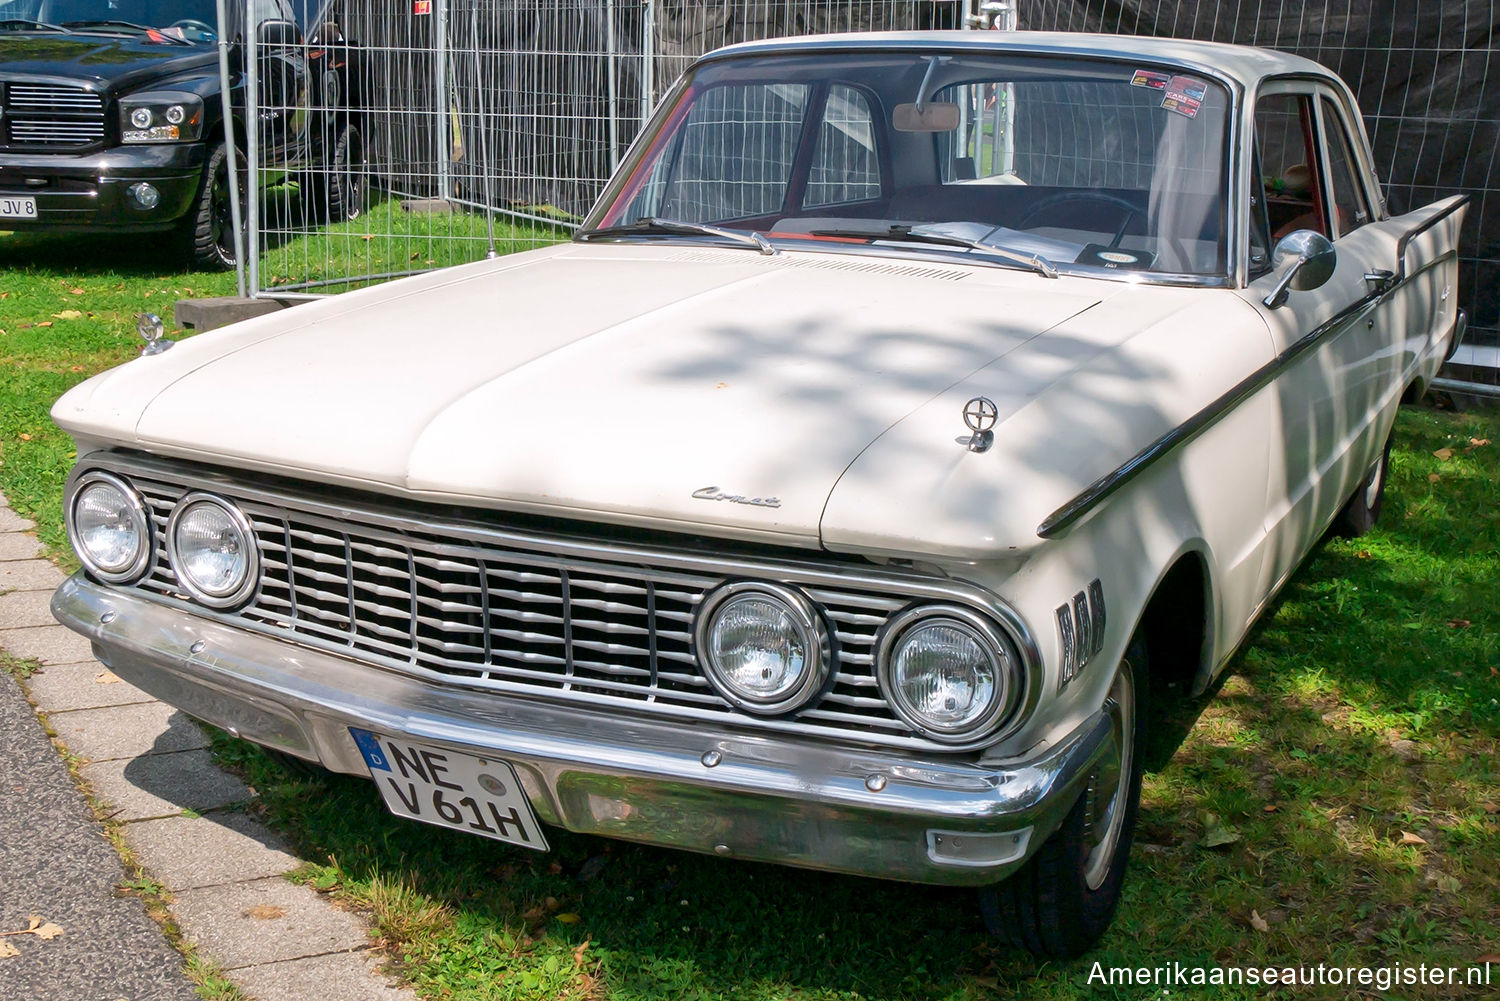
715,494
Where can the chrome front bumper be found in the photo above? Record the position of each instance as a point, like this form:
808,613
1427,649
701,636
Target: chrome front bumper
775,799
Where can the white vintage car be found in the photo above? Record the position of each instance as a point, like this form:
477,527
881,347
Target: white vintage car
907,403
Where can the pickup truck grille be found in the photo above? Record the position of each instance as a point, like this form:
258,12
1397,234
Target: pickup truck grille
45,116
494,609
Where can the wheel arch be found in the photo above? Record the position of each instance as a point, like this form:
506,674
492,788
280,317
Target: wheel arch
1177,622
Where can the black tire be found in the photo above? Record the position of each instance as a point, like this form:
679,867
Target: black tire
206,233
1062,900
1362,510
338,193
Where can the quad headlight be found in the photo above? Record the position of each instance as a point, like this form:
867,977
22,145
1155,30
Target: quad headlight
212,550
763,647
161,117
109,528
949,673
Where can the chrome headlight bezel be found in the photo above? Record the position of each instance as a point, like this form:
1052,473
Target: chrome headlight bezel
1003,652
248,584
809,623
140,518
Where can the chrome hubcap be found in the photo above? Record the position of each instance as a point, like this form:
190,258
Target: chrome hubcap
1109,786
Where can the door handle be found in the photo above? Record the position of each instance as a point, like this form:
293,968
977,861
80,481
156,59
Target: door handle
1379,279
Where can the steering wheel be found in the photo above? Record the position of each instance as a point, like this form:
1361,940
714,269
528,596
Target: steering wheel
1084,195
205,31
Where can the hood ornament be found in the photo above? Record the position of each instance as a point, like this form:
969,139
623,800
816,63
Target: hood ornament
980,415
715,494
151,329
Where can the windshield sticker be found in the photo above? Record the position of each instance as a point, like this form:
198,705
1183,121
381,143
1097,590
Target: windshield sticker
1116,257
1185,95
1151,78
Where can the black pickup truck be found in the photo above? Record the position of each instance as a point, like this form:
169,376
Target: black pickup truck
111,119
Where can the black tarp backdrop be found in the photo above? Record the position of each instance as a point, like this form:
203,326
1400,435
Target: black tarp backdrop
1427,75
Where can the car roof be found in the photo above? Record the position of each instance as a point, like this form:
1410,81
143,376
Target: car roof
1241,64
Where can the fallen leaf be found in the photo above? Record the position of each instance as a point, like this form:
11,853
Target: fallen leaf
25,436
1448,884
1490,808
1476,443
569,918
1363,554
1257,922
7,950
1408,838
75,368
1433,477
76,291
367,237
1217,835
1268,808
47,931
45,323
578,952
1444,453
1458,623
67,314
265,912
1488,957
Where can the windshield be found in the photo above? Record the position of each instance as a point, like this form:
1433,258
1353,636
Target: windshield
1090,166
149,20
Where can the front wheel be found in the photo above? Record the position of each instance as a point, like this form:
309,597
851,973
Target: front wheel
206,233
1064,897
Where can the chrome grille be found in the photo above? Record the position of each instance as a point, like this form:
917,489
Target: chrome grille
51,116
490,609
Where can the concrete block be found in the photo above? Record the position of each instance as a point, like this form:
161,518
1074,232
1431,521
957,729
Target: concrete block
265,921
127,731
29,575
427,206
18,546
159,785
12,522
221,311
186,853
47,644
342,976
19,609
90,685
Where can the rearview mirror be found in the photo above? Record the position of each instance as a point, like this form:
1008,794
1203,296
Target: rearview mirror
1309,260
930,117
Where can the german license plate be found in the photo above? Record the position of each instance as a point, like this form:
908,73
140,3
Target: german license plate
449,789
14,207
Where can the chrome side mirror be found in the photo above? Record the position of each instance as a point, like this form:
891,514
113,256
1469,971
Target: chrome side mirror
1309,260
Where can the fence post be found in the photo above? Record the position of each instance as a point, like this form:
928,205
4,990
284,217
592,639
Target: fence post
252,149
614,108
484,133
444,149
648,61
231,160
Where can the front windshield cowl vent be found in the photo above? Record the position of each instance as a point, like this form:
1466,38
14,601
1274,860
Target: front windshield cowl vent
822,264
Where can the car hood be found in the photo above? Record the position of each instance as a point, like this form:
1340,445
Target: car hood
708,390
108,63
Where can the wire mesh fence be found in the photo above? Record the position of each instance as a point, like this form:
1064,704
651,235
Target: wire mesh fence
1427,74
396,136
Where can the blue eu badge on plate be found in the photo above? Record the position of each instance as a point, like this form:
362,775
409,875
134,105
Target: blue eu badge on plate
369,746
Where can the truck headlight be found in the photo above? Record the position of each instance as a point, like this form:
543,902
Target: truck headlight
161,117
109,528
212,550
762,647
948,672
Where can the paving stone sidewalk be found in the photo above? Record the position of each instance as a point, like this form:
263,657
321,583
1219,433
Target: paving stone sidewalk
277,941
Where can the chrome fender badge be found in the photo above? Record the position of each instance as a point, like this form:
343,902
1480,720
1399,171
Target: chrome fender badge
715,494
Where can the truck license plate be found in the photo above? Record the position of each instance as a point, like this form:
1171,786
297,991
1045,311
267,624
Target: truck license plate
12,207
449,789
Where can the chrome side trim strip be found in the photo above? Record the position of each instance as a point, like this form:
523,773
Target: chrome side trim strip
1098,491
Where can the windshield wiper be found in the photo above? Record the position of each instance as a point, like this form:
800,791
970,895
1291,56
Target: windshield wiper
26,22
906,234
656,224
143,29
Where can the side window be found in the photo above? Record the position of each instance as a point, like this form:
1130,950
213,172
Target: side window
1287,145
1350,210
845,167
734,159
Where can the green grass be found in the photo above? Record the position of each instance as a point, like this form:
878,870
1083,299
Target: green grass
1366,706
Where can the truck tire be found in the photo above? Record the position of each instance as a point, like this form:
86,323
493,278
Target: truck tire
1062,900
339,191
206,233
